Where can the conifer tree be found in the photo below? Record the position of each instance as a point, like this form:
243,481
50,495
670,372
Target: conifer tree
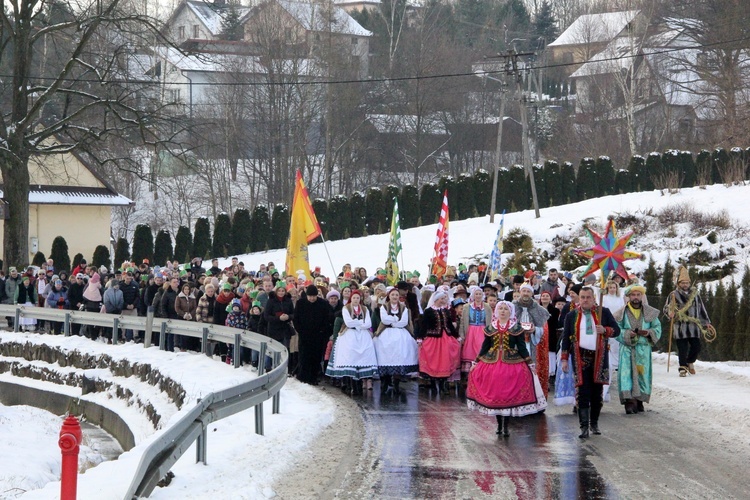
280,221
77,258
202,243
260,229
222,243
374,208
143,244
122,250
231,25
408,206
482,191
720,159
568,177
541,186
553,179
545,26
59,254
518,188
101,257
703,167
586,180
38,259
465,196
667,278
390,193
741,350
728,324
429,203
605,176
687,165
162,248
654,168
241,231
320,207
623,182
651,276
503,199
357,212
183,243
338,216
719,300
672,164
637,168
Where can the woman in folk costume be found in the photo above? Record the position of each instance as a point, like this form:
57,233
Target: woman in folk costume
395,347
502,382
440,350
476,316
26,295
533,320
353,354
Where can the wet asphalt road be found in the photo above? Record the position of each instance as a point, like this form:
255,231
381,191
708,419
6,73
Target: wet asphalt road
431,446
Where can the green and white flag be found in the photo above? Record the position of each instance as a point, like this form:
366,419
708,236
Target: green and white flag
394,248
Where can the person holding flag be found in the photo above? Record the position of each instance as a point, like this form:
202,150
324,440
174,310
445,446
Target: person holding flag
440,260
496,254
303,229
394,248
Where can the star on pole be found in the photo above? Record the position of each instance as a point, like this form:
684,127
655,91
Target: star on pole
608,252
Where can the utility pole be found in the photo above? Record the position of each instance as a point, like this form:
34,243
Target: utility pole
511,65
498,150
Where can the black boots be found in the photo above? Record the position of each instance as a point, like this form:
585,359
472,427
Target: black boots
385,384
630,407
594,421
583,421
502,426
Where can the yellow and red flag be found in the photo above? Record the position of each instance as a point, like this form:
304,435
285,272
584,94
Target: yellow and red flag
440,261
303,229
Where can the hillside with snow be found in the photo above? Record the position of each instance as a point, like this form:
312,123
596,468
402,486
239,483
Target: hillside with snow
705,227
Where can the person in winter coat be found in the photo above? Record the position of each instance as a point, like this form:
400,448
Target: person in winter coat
26,296
92,298
57,299
279,315
204,311
113,302
312,321
149,293
220,314
185,306
76,302
11,283
168,300
131,299
235,319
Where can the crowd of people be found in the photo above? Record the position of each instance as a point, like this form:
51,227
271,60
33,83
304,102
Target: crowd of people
508,344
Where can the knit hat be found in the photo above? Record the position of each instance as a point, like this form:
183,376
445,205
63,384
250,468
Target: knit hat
226,286
526,286
311,290
12,269
256,303
333,293
473,277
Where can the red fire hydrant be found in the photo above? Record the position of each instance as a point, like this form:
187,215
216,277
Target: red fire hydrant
70,439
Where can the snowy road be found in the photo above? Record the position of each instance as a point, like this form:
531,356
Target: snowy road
432,447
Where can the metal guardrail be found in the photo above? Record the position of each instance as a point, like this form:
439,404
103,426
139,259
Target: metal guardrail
164,452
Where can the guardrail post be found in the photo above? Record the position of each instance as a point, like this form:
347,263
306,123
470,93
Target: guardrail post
261,371
18,319
66,325
69,442
237,341
200,446
276,404
115,330
163,337
149,327
204,341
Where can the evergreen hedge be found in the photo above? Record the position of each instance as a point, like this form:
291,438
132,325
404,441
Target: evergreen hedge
162,248
202,243
280,221
38,259
222,241
102,258
241,231
605,176
448,183
430,199
408,206
260,229
320,207
338,216
482,191
122,250
59,254
553,176
357,214
390,194
374,211
77,258
465,196
586,185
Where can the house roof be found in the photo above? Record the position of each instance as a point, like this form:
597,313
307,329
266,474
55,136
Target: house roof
595,28
211,15
312,17
74,195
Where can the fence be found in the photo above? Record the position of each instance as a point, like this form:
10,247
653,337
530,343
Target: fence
163,453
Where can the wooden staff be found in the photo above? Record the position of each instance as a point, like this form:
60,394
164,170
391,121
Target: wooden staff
671,324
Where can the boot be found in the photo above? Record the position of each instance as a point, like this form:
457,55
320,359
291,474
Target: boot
594,424
499,424
396,383
583,422
630,407
691,369
639,406
506,431
385,383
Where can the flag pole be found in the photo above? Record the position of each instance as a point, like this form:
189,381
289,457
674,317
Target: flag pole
325,245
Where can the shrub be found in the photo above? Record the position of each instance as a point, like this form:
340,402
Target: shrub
374,211
482,191
77,258
553,180
465,196
320,207
586,180
143,244
222,243
430,200
260,229
517,240
338,214
101,257
163,247
518,188
623,182
605,176
390,194
122,250
241,231
408,206
280,222
38,259
357,213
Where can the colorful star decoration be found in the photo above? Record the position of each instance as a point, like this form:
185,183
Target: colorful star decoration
608,252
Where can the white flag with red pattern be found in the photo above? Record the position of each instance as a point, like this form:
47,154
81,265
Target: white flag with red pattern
440,261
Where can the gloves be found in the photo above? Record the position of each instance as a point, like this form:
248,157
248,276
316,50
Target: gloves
187,317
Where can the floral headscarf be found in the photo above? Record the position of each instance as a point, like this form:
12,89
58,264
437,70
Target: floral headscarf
512,321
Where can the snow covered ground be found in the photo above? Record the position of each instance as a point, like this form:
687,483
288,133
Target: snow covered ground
244,465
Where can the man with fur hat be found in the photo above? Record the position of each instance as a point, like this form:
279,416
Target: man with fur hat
685,307
640,330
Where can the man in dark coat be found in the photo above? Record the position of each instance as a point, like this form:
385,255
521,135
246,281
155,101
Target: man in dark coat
312,320
76,301
279,315
168,300
585,344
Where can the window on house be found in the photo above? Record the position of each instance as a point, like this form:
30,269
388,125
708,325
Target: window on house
355,40
686,126
196,31
181,32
